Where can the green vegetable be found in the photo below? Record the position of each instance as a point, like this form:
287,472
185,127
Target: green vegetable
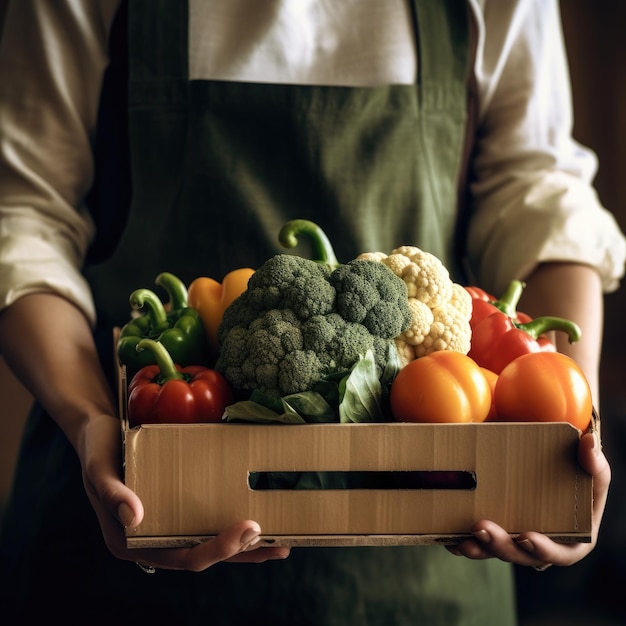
441,309
300,321
321,249
360,395
180,330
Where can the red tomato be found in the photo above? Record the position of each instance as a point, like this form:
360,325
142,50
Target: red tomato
543,387
444,386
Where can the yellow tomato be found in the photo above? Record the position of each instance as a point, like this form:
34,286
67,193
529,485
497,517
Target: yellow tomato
444,386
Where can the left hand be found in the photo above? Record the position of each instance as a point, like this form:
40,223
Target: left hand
532,548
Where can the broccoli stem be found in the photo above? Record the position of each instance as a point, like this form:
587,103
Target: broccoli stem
321,248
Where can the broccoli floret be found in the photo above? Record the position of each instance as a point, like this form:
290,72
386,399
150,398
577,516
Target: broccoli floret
299,371
294,283
369,293
338,342
283,282
269,356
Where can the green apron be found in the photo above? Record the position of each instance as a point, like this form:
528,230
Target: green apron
217,168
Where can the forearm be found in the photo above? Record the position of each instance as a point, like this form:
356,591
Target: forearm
572,291
48,343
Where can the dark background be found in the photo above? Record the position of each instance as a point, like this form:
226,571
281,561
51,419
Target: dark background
593,592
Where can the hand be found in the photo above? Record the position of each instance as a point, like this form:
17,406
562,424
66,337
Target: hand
117,506
535,549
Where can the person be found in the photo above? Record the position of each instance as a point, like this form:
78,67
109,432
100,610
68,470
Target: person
145,136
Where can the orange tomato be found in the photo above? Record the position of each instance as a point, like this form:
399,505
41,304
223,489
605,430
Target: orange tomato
543,387
492,378
444,386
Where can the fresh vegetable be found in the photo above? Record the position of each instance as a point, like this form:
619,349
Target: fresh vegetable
180,329
211,298
498,337
322,249
543,387
301,320
357,396
480,294
440,308
492,379
168,393
484,304
444,386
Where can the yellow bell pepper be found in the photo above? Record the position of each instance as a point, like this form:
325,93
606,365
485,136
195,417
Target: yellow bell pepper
211,298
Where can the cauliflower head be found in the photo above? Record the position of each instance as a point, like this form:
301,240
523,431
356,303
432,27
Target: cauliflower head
440,308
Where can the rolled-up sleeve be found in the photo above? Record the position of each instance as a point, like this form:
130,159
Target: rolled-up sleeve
52,57
533,199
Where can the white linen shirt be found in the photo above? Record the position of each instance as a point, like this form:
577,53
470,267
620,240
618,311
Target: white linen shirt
533,194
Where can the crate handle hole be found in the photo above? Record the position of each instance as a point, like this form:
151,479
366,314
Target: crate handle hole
363,479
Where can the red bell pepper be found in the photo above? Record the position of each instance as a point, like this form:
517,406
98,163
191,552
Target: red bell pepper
500,333
168,393
484,304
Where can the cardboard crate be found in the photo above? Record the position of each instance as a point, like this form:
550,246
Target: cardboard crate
194,481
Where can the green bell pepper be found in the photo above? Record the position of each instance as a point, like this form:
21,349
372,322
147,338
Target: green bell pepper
180,329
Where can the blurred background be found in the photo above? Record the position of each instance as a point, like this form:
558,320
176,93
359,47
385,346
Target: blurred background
591,592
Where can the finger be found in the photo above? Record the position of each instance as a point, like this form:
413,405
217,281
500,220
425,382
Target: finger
593,461
491,541
236,544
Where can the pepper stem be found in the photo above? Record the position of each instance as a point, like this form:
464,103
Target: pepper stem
507,303
321,248
546,323
162,357
176,289
141,298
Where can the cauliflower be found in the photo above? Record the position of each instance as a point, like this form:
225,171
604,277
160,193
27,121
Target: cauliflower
300,320
440,308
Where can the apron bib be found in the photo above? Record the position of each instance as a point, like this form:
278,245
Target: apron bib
217,168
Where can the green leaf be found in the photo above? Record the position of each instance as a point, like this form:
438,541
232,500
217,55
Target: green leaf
250,411
311,406
363,391
392,366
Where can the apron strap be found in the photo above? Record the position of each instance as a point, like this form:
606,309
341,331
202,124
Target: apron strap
158,51
446,18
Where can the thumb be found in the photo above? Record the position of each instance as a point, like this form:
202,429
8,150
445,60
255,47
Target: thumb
229,544
127,507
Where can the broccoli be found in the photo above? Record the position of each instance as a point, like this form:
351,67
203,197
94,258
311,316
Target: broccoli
366,293
264,355
299,321
283,282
